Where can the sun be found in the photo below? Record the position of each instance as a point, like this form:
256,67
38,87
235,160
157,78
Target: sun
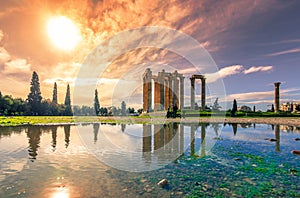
63,33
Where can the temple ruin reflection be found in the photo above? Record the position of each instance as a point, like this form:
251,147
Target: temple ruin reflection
170,138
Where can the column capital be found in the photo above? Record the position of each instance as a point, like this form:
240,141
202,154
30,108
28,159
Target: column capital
277,84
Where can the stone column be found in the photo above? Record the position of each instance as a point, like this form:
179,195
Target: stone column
192,93
170,91
177,92
276,106
161,77
167,94
181,92
147,90
175,89
203,93
156,94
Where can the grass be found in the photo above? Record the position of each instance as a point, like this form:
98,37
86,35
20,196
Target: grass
34,120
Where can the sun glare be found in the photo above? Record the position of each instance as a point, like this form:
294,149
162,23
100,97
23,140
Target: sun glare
63,33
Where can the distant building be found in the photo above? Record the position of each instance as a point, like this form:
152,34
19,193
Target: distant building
244,108
290,107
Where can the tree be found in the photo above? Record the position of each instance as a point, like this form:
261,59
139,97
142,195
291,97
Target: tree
96,103
272,108
254,108
34,97
234,108
54,96
123,108
216,106
130,110
68,109
103,111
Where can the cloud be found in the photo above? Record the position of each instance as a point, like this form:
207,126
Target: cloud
1,35
59,80
235,69
283,42
263,95
224,72
251,95
257,69
17,66
206,21
295,50
4,56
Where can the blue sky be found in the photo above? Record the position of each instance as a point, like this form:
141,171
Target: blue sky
253,43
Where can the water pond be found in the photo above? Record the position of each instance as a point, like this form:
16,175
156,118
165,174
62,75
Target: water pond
119,160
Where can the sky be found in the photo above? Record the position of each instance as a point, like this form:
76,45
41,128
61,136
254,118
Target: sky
252,43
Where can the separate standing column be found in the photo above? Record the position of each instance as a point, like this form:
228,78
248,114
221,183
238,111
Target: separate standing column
277,84
192,93
203,94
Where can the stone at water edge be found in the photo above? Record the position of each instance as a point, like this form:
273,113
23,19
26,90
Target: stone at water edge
295,152
271,139
162,183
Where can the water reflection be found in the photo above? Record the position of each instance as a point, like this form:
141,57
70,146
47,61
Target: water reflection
123,127
277,138
54,136
255,156
96,127
34,135
61,193
67,129
234,128
172,138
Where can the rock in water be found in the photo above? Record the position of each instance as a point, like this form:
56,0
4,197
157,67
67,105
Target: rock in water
271,139
295,152
162,183
296,139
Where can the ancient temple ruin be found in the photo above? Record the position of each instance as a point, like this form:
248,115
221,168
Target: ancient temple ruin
168,90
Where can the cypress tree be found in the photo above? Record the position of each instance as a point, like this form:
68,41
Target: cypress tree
68,110
234,108
68,97
123,108
96,103
272,108
54,96
34,97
